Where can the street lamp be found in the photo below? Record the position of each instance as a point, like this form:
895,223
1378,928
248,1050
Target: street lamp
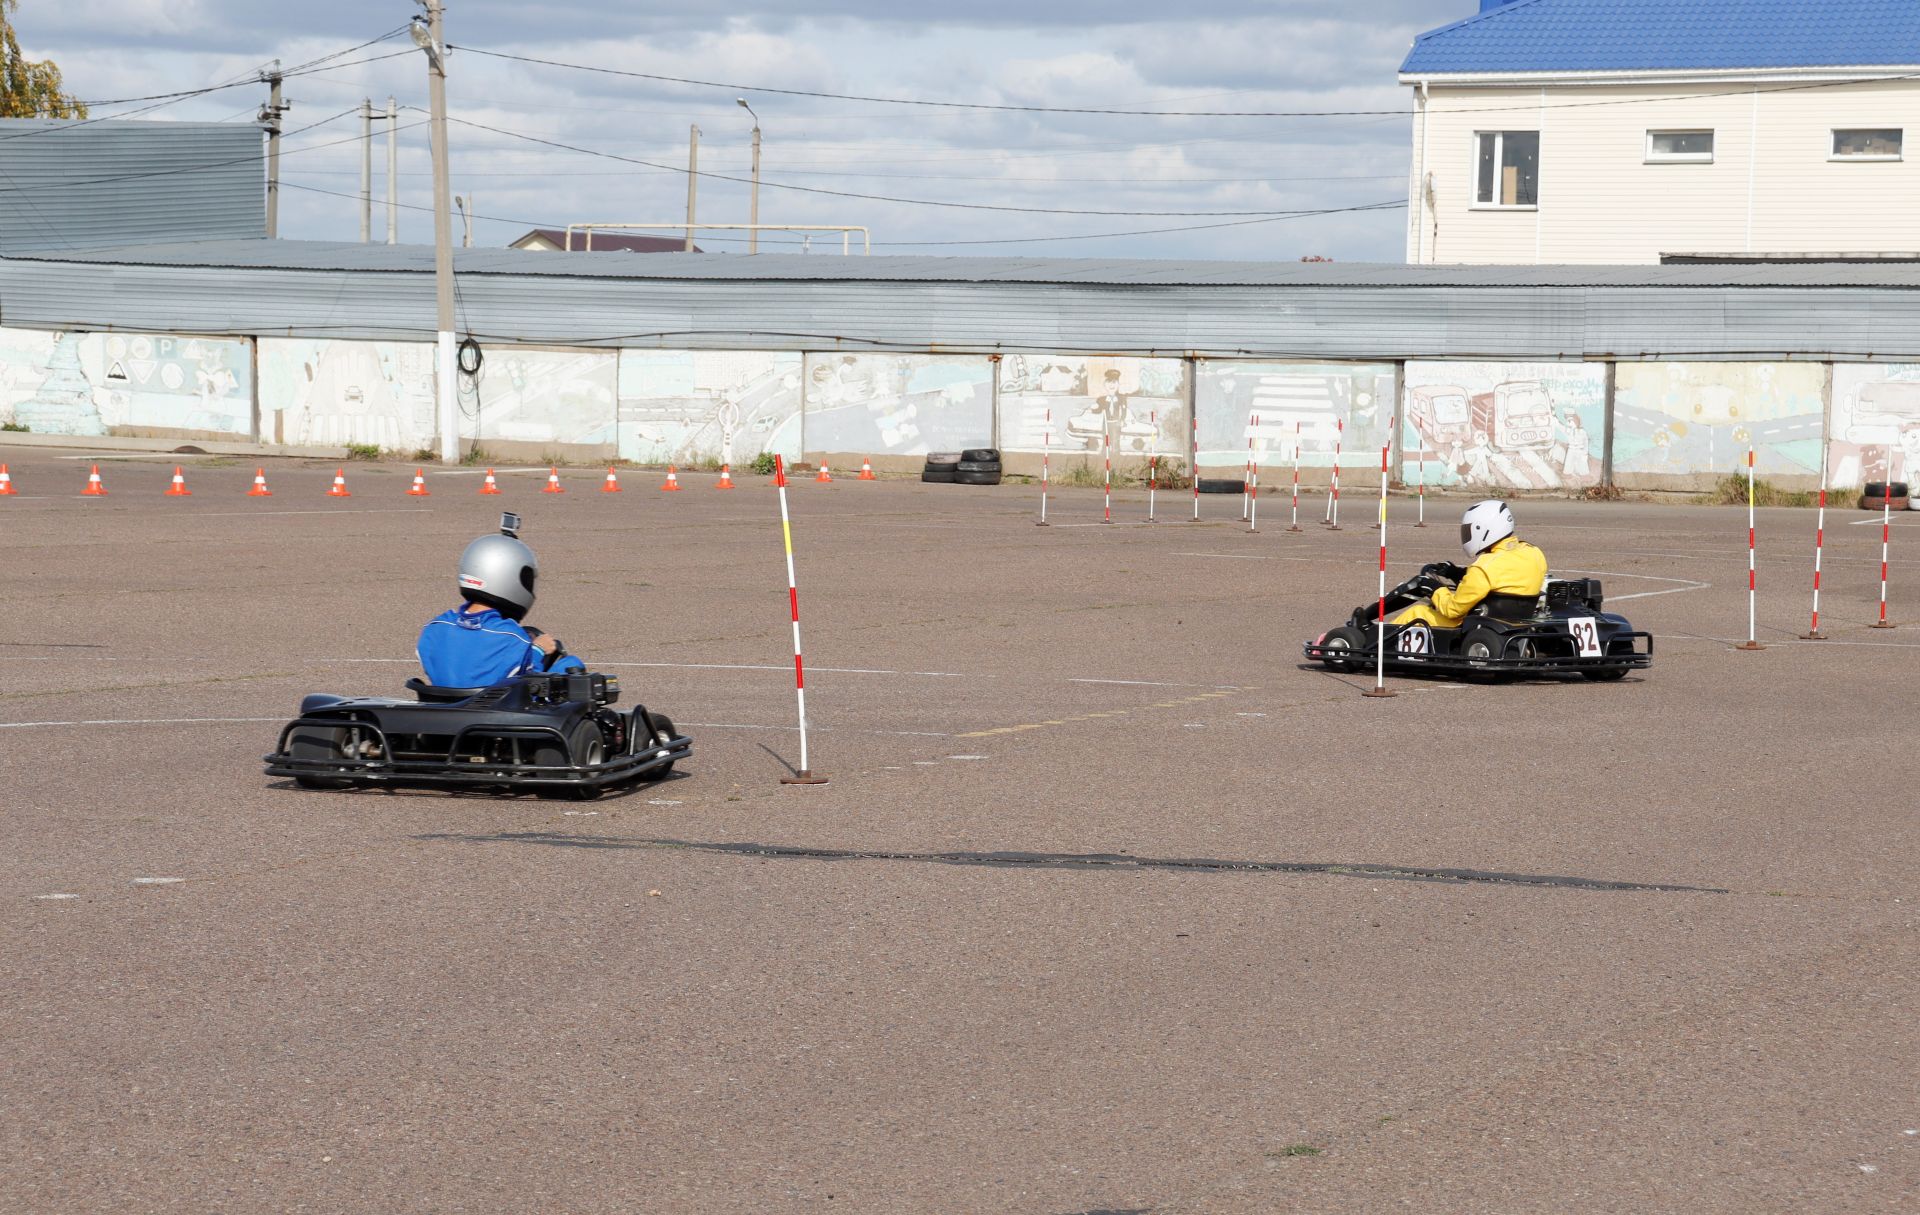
429,35
753,211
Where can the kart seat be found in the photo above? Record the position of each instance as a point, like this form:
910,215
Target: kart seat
429,694
1507,607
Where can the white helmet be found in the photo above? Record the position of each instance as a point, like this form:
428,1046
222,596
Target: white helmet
1484,525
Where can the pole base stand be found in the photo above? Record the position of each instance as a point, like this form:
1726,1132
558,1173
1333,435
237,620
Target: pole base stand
1813,636
1881,624
1419,525
1749,645
1296,528
1379,692
1334,527
804,776
1043,523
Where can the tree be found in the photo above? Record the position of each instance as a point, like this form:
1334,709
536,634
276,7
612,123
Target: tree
28,89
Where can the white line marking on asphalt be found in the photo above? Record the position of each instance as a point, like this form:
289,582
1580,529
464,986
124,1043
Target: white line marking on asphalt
350,510
1145,683
157,881
136,721
966,757
1876,519
926,763
481,472
53,897
663,801
1687,584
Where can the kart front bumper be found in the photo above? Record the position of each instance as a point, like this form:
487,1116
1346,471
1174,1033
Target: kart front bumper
1526,652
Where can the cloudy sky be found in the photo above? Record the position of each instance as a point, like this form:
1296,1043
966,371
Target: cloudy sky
1284,55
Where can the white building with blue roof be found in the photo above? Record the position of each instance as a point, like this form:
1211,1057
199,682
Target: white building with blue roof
1643,131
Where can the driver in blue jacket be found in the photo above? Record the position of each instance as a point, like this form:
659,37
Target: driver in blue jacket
482,642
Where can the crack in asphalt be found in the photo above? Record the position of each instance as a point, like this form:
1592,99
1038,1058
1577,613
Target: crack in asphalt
1085,861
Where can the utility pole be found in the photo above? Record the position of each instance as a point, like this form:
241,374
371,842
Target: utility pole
693,179
393,171
753,208
270,114
366,169
430,36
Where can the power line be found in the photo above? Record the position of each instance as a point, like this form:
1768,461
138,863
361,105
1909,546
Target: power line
304,69
945,105
918,202
1395,205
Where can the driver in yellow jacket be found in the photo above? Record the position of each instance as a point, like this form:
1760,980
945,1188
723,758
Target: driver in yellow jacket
1503,564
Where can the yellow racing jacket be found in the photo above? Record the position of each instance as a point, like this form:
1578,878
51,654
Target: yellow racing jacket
1510,567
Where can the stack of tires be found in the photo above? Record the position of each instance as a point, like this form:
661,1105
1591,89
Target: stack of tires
1878,493
974,466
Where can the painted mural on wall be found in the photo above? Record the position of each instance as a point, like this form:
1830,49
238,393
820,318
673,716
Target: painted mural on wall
1320,405
91,383
1139,405
534,394
1699,418
332,393
901,405
1529,426
1875,432
691,406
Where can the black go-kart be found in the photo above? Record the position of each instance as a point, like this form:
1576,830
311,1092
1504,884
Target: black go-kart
1562,631
549,734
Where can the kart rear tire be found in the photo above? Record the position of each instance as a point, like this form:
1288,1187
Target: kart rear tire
586,746
1344,638
323,744
1482,646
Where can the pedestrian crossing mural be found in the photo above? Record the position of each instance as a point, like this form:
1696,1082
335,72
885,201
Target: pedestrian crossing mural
1323,407
1524,426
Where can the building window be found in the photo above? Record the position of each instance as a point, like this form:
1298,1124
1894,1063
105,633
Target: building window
1866,143
1508,172
1679,147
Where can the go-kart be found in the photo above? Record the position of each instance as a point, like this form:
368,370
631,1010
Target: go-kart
1563,630
548,734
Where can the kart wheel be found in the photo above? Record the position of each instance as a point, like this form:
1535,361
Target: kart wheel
1481,647
586,746
1608,675
1343,638
322,744
663,733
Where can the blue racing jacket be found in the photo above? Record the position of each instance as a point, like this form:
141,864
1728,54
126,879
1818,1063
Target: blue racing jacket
479,649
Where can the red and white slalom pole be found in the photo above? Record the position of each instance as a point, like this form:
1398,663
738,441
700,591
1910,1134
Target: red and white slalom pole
1296,479
1422,520
1046,453
1106,452
1886,535
1813,632
1253,483
1333,490
1380,637
805,775
1193,463
1753,584
1153,463
1247,475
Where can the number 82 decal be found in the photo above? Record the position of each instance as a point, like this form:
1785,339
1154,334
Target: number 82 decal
1586,635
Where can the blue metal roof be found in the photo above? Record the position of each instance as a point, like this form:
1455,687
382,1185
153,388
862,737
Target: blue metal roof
1653,35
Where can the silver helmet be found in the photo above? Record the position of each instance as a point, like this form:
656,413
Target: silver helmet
499,571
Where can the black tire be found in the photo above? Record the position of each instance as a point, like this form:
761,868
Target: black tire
1222,485
1481,646
1610,674
322,744
1878,489
992,466
943,474
1344,638
586,746
980,455
970,477
942,457
663,733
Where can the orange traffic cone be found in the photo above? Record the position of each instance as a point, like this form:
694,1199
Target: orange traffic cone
726,477
339,486
259,489
6,483
613,483
866,471
673,483
823,473
419,489
179,487
490,486
553,482
94,488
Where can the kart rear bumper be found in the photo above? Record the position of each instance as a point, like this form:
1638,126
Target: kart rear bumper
369,760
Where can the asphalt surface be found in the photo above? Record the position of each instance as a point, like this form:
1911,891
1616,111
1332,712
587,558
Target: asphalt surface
1647,945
